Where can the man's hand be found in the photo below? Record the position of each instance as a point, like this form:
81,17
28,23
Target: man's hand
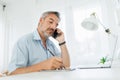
52,63
60,38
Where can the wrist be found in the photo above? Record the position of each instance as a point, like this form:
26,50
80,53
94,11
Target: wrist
62,43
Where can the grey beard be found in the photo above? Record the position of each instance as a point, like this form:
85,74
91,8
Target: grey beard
46,35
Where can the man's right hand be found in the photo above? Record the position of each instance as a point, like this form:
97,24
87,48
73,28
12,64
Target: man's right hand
52,63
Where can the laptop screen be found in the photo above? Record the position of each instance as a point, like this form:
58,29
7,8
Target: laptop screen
104,60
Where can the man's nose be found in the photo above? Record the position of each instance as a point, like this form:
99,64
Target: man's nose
53,26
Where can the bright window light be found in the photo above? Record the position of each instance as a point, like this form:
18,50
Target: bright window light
1,39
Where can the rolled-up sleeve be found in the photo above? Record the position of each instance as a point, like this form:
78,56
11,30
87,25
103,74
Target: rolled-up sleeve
19,56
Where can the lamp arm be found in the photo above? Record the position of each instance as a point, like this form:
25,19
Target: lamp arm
98,20
101,24
116,37
107,30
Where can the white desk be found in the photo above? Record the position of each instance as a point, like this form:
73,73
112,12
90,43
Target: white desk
81,74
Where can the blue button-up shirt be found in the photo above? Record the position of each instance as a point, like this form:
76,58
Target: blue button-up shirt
29,50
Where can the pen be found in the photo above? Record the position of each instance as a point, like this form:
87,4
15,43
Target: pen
51,53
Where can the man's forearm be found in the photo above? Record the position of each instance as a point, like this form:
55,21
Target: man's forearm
33,68
48,64
65,55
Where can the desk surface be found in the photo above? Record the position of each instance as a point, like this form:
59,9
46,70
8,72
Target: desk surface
80,74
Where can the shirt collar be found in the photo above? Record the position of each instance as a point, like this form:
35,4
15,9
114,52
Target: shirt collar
36,35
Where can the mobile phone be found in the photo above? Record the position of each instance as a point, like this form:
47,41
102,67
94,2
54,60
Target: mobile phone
55,34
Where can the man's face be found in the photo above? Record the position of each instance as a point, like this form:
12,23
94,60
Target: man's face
49,24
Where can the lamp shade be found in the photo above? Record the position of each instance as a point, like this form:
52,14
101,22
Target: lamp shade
90,23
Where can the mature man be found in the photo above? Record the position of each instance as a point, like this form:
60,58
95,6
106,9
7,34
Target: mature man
36,52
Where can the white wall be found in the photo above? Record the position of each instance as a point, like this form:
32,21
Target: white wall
21,19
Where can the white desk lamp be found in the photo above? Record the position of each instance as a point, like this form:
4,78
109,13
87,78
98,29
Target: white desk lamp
92,22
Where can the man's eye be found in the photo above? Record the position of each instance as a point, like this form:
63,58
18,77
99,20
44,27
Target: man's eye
50,22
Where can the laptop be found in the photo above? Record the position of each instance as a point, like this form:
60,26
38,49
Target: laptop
98,66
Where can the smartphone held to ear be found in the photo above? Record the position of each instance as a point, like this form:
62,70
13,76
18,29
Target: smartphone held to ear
55,34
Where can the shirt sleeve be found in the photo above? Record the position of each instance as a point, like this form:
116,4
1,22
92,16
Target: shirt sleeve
55,48
19,56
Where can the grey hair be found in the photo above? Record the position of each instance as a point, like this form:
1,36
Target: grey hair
45,14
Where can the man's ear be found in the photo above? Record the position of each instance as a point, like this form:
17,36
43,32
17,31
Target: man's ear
40,19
